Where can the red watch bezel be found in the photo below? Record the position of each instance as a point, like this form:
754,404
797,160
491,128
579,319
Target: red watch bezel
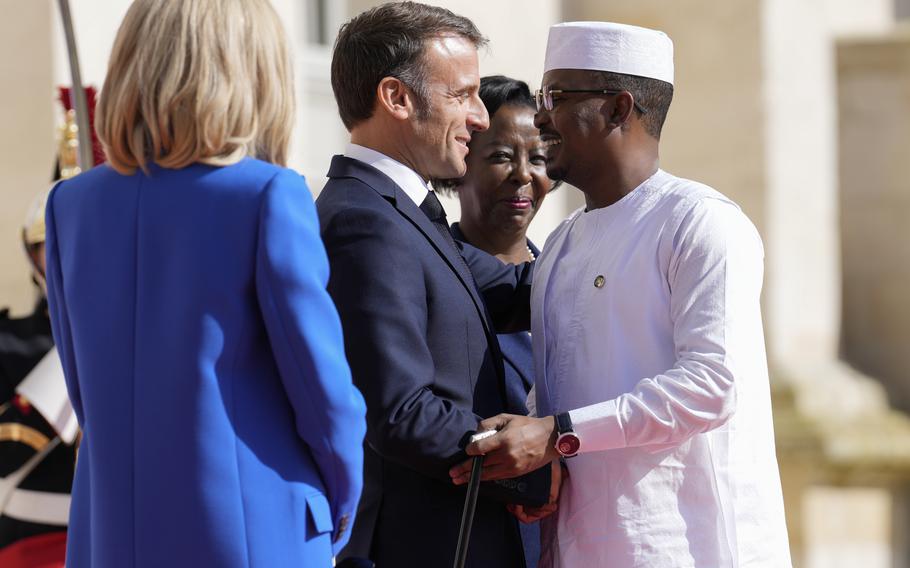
568,444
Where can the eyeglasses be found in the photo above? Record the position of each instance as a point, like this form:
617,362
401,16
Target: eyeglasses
544,97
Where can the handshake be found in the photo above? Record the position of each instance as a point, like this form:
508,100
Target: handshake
518,445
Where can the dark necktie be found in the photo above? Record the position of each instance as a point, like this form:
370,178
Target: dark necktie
432,208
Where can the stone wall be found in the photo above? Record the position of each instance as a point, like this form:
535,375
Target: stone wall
27,143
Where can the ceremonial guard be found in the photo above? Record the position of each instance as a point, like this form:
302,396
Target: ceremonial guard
37,453
38,429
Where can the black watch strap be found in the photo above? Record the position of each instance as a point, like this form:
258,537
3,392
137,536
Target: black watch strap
563,423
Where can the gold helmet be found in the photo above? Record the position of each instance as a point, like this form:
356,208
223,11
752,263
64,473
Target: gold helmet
67,152
33,229
33,235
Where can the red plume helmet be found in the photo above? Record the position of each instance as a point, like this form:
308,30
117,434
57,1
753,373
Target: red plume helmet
91,98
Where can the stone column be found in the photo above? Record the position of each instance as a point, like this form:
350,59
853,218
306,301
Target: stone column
874,114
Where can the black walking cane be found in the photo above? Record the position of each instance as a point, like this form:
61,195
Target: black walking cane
470,503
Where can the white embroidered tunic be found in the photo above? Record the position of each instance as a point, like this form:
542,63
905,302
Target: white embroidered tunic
647,327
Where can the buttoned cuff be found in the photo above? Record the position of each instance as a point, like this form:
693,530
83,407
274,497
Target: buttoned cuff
45,389
598,427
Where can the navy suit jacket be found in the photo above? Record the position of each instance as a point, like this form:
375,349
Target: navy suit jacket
423,350
516,354
519,372
204,360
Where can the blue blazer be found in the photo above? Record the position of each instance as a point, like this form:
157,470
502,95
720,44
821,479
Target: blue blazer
423,350
205,363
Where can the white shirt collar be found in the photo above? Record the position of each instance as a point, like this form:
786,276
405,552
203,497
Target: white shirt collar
406,178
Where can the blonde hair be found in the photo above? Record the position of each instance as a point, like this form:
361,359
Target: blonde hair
197,81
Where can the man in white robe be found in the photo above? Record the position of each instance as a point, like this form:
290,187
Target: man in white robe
652,379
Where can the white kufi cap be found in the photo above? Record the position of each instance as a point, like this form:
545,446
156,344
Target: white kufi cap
616,48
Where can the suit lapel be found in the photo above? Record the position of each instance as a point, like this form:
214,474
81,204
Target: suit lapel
413,214
347,167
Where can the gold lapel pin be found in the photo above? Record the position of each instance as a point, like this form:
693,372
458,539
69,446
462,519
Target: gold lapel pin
599,281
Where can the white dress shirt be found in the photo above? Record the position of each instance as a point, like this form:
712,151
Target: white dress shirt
406,178
647,328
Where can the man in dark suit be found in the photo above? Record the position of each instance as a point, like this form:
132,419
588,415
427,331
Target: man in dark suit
419,325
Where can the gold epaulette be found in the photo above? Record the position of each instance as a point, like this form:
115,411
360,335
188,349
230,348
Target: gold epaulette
15,432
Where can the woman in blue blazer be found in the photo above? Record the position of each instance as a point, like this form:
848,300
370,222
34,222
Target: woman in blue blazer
202,354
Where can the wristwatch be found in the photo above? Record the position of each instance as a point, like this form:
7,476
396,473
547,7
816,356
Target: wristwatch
567,441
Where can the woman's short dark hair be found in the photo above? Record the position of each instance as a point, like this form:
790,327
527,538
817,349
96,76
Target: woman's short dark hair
496,91
389,41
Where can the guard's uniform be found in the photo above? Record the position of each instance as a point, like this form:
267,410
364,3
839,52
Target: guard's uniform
36,469
38,428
